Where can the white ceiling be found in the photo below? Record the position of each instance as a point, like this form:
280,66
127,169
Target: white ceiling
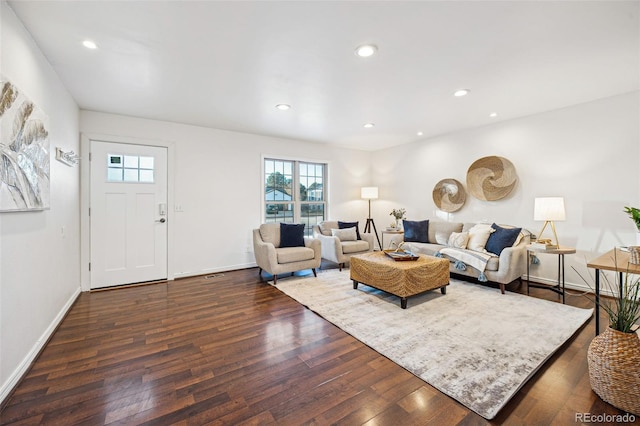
227,64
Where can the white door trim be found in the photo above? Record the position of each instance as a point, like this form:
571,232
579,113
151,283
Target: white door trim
85,197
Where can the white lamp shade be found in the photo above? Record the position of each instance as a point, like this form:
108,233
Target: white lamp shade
549,208
369,193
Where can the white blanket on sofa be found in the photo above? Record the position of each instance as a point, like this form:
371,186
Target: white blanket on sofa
475,259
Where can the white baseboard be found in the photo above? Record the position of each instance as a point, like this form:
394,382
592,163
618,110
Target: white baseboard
24,366
214,270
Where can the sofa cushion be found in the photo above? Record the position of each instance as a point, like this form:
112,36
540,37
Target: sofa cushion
326,227
291,235
347,234
270,233
294,254
501,239
344,225
354,246
478,236
444,228
458,240
416,231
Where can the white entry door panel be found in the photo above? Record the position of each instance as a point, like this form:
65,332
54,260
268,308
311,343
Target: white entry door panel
128,213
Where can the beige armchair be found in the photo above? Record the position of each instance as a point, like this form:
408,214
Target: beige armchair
279,260
336,250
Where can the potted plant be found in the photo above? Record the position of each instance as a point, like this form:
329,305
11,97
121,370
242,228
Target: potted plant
398,214
614,356
634,214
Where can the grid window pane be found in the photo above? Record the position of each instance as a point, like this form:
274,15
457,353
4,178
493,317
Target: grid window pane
294,192
146,163
131,161
130,168
114,175
146,176
131,175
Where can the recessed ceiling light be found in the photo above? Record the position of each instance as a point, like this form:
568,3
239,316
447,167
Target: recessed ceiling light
283,107
366,50
493,114
89,44
461,92
419,133
368,125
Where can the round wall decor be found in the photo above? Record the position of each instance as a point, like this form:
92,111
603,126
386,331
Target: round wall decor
449,195
491,178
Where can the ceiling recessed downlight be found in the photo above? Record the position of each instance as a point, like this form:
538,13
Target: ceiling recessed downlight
89,44
420,133
461,92
283,107
366,50
368,125
493,114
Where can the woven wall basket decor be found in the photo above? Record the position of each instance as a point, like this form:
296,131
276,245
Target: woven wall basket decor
449,195
491,178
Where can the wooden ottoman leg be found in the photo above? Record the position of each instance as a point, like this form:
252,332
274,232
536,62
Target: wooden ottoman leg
355,284
403,302
443,290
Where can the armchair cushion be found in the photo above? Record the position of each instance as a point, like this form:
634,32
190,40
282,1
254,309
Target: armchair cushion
294,254
349,247
344,225
347,234
291,235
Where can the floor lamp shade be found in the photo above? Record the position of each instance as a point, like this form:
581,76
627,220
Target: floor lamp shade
369,193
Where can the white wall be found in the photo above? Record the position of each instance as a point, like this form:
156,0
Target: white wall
217,181
589,154
39,251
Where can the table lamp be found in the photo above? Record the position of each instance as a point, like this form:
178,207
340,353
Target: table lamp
549,209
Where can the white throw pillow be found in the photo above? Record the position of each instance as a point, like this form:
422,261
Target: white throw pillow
458,240
478,236
345,234
442,238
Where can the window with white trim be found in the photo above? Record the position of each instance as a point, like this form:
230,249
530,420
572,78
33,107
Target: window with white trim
294,192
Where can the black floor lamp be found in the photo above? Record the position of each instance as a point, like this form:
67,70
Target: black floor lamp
370,193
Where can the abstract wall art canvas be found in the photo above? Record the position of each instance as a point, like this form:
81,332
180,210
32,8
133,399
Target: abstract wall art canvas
24,152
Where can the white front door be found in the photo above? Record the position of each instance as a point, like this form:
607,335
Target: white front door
128,213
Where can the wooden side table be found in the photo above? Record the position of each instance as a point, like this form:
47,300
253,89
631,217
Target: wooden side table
615,260
560,251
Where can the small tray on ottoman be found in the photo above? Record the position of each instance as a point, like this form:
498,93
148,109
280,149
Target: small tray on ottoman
401,255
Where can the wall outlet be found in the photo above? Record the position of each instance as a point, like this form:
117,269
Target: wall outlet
178,208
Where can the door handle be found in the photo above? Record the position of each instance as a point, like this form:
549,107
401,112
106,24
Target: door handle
163,220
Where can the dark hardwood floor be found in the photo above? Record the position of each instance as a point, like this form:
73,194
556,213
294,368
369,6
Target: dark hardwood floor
233,350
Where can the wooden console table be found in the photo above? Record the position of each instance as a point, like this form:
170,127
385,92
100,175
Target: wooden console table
614,260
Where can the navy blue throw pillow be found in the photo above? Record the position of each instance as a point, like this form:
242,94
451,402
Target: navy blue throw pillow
344,225
291,235
416,231
501,238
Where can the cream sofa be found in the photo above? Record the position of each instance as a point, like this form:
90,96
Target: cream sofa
509,266
336,250
279,260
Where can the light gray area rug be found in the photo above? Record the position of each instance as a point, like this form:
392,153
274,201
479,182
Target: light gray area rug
474,343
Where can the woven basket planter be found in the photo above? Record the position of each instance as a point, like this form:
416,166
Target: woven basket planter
614,369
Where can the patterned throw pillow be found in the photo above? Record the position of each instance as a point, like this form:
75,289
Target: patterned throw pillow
478,236
458,240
